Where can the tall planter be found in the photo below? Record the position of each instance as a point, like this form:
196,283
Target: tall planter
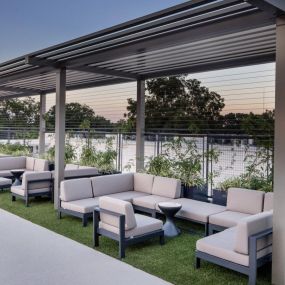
220,197
199,193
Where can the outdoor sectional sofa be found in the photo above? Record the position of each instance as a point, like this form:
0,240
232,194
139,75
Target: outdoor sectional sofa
21,162
79,197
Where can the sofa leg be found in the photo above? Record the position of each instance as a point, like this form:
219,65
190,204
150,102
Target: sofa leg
153,214
161,239
121,250
59,216
210,230
84,221
27,202
13,198
206,229
197,263
252,277
96,239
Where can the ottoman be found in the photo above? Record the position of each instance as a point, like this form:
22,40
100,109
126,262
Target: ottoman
5,183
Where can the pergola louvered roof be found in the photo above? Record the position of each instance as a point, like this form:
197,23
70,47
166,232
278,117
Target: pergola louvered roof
197,35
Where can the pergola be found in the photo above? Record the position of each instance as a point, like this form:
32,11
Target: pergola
195,36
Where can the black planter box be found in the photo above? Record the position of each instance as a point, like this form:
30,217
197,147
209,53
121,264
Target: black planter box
51,166
220,197
199,193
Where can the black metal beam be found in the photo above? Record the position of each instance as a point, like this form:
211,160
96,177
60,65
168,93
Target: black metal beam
264,6
280,4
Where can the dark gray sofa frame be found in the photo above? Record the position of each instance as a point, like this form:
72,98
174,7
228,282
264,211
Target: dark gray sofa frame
254,262
123,241
215,229
30,195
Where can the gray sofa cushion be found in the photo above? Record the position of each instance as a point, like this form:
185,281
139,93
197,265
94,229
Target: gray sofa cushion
9,163
40,165
250,226
69,166
111,184
166,187
32,176
222,245
145,225
30,163
119,207
245,201
150,202
75,189
197,210
143,182
227,218
88,171
268,201
128,196
81,206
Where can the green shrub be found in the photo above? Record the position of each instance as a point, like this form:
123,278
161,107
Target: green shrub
69,155
15,149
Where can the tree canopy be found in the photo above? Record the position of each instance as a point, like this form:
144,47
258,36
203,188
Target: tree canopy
177,103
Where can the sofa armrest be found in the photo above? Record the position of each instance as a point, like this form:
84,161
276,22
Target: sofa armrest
36,179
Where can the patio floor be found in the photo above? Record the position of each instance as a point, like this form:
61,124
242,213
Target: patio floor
31,254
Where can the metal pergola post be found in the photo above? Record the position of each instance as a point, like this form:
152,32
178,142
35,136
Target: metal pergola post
59,132
140,125
42,131
278,274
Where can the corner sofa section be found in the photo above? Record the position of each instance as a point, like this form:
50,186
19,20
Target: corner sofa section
79,197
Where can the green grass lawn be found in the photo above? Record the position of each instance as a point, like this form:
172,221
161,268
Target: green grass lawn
173,262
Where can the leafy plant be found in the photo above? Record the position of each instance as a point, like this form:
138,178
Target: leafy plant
69,155
15,149
159,166
103,160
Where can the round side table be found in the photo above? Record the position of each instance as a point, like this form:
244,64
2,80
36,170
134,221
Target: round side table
169,209
17,173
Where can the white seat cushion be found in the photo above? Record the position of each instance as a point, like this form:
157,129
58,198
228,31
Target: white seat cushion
150,202
143,182
5,181
227,218
81,206
222,245
75,189
30,163
166,187
197,210
268,201
245,200
145,225
128,196
20,191
5,173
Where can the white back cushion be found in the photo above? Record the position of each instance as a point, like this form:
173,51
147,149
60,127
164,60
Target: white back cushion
250,226
80,172
30,162
32,176
143,182
9,163
245,200
41,165
69,166
75,189
119,207
268,201
111,184
166,187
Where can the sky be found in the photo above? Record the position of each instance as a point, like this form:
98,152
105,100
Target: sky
29,25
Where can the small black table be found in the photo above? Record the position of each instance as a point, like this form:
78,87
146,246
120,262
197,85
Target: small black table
17,173
169,209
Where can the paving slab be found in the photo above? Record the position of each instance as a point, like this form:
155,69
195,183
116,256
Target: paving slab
33,255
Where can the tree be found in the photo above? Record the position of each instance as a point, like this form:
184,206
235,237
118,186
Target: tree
78,116
19,113
177,103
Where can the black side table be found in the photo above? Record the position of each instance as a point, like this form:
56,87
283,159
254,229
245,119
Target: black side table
169,209
17,173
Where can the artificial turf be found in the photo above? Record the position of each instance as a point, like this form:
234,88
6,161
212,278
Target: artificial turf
173,262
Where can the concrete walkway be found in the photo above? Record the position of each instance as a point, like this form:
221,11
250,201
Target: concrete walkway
33,255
